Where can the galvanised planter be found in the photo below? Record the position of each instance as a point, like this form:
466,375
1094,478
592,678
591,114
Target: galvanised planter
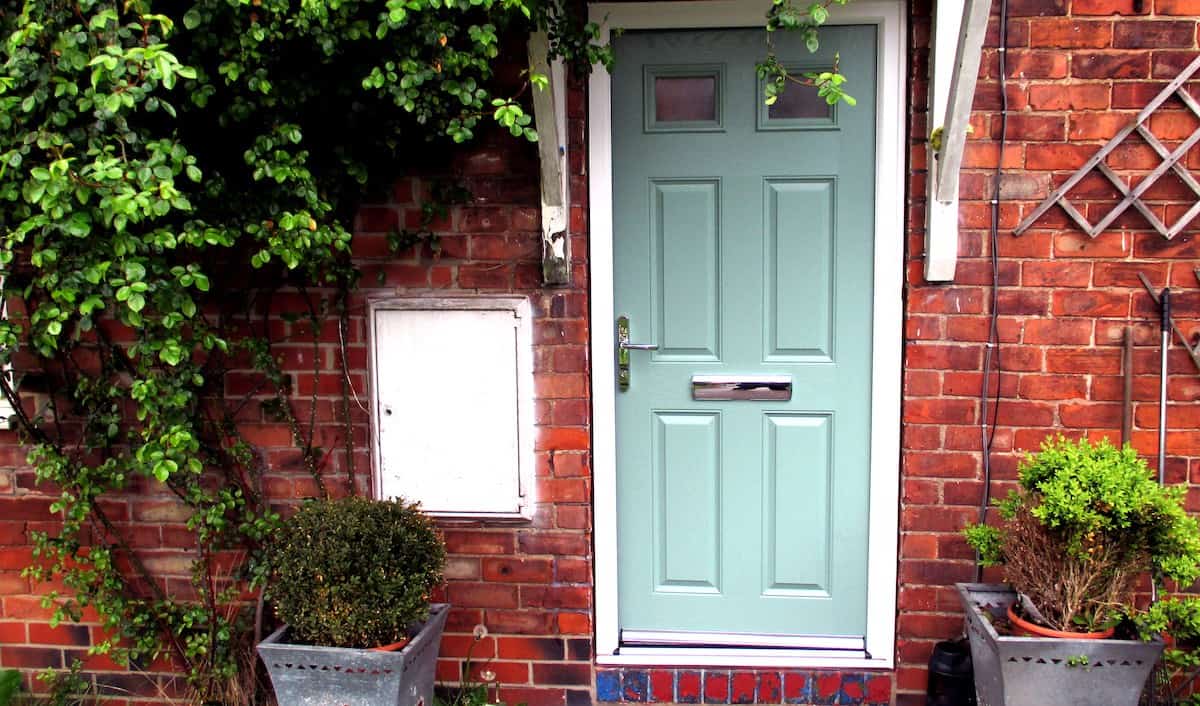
308,675
1039,671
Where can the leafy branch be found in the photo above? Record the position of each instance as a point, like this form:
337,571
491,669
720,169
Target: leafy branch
787,16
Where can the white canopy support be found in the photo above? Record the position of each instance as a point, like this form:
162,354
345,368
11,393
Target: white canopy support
7,413
550,119
958,32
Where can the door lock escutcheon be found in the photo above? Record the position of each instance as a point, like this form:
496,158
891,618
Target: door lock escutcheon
623,348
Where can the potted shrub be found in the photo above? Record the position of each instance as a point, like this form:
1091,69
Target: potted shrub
1086,526
351,581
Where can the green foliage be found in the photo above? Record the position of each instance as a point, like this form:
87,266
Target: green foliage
1178,619
67,687
154,158
988,541
10,686
1087,521
1096,493
437,206
806,21
354,572
1174,616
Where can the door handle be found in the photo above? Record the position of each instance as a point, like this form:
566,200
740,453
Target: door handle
623,348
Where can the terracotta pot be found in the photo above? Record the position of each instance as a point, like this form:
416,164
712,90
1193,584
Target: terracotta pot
1022,626
392,647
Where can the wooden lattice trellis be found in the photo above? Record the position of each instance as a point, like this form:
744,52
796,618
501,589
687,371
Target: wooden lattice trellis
1132,196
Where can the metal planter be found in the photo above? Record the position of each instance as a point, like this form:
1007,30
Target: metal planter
1038,671
308,675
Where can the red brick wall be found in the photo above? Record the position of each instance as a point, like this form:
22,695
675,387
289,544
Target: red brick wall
1078,71
528,582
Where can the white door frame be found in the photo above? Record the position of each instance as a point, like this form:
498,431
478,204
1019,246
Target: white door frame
883,534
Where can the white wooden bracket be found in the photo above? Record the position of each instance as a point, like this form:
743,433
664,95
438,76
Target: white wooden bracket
550,119
7,413
958,32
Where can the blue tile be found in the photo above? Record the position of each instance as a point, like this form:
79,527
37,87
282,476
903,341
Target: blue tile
608,685
634,683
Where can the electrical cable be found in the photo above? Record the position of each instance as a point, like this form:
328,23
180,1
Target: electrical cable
991,352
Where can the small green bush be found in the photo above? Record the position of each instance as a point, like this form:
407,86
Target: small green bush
10,686
354,572
1087,522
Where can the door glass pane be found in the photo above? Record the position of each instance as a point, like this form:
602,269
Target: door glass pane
685,98
798,102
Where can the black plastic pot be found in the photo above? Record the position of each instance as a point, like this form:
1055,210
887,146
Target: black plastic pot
951,678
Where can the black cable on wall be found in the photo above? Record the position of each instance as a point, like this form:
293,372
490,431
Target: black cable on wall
991,351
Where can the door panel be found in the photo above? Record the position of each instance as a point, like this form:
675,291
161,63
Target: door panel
796,504
799,265
743,246
686,289
687,513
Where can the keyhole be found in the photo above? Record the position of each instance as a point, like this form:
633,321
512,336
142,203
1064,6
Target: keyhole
387,411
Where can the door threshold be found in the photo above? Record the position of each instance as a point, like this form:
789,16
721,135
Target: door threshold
767,641
633,656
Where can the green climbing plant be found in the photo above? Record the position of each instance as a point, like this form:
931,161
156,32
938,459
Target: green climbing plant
154,159
806,21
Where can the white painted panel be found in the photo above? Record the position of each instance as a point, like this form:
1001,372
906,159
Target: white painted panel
453,421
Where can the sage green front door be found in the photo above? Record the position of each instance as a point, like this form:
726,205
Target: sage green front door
743,251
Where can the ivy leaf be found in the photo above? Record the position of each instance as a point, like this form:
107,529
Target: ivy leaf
79,225
163,470
92,303
171,353
134,271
